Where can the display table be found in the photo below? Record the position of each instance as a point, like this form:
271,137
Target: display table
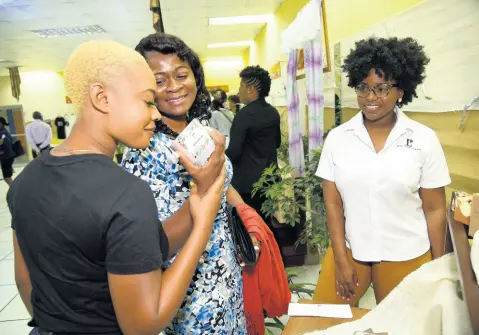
301,325
469,281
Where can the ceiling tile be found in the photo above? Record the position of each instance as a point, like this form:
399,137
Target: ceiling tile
186,5
237,3
126,21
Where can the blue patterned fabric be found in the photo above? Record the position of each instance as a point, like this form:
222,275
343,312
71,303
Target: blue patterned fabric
214,301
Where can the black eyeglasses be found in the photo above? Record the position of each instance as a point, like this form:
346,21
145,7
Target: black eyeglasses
381,90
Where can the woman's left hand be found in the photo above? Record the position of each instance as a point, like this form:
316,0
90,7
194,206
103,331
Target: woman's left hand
257,248
257,245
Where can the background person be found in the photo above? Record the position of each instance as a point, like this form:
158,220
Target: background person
219,99
255,135
233,103
7,155
39,134
221,118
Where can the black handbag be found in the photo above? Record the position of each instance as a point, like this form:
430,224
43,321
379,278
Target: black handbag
244,245
18,148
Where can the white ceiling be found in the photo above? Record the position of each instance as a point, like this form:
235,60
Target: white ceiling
188,19
125,21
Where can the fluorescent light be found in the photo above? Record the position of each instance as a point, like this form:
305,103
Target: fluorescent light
33,75
230,58
230,44
72,31
241,19
224,62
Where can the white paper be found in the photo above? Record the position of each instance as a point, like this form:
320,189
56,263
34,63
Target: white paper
195,143
323,310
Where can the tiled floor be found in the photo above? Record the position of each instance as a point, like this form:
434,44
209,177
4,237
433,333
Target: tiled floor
14,316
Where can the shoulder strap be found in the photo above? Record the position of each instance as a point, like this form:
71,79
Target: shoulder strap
226,115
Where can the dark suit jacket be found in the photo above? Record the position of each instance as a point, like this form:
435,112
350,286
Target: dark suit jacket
255,137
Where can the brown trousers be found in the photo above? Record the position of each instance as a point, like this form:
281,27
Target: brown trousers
385,276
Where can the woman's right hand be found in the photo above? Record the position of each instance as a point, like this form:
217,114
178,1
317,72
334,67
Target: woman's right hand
204,207
346,279
204,176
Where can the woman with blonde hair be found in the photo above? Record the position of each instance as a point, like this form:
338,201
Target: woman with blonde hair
88,245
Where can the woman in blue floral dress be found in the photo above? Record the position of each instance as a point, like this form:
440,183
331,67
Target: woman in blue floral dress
214,301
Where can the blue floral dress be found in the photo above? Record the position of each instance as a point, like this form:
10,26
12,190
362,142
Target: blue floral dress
214,300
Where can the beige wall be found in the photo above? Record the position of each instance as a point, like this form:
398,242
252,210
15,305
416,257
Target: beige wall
40,91
345,17
219,73
266,49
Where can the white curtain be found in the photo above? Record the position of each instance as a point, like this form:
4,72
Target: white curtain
304,28
313,64
295,133
306,32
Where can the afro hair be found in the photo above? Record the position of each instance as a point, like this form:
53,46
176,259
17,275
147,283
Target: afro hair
259,78
402,60
95,61
169,44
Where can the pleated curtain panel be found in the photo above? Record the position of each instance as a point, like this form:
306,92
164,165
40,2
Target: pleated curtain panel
15,82
313,64
305,32
295,133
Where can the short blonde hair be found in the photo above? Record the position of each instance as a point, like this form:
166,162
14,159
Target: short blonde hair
94,62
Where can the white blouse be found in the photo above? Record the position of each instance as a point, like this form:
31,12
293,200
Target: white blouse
384,219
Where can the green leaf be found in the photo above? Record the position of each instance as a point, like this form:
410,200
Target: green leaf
300,285
299,199
273,325
294,272
304,290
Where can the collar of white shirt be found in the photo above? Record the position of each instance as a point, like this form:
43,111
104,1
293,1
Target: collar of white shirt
403,125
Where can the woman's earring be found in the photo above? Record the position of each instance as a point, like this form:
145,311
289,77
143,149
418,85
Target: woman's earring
400,100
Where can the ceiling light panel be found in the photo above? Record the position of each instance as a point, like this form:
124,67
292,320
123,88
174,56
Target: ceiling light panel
73,31
224,62
241,19
230,44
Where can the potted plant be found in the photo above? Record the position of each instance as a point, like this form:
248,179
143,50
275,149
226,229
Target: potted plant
120,149
300,289
299,199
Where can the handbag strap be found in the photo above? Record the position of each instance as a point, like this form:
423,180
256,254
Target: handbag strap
226,115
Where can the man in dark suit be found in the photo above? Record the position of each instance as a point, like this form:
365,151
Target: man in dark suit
255,135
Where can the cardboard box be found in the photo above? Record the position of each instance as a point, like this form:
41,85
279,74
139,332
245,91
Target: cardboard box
474,220
462,204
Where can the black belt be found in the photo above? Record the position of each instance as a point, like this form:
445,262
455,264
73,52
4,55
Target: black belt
42,149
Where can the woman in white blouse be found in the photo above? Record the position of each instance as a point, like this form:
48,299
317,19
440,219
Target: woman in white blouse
383,178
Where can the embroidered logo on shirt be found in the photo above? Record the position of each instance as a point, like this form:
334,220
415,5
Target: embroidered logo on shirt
409,143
